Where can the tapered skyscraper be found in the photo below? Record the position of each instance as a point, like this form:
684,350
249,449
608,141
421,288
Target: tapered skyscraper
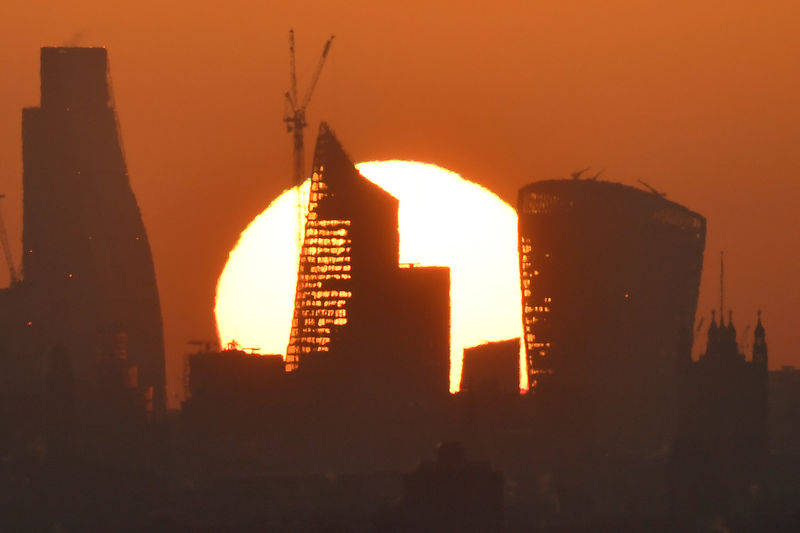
358,313
88,271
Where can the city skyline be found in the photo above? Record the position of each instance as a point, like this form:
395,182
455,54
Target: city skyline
698,102
622,427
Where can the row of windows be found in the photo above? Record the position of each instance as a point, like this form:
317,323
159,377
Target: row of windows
338,313
331,294
311,322
326,241
330,268
323,303
328,223
537,309
315,232
326,277
313,251
296,332
329,260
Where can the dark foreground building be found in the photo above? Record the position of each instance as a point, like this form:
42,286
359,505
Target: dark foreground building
81,351
450,495
88,272
610,277
491,368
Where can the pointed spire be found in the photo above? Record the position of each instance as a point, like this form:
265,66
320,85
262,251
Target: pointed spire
329,155
759,331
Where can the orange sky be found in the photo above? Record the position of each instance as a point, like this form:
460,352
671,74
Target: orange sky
698,98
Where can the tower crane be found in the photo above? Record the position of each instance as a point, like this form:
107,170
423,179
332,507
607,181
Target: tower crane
652,189
12,271
295,117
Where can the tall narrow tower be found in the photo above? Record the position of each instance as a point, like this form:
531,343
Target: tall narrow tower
88,271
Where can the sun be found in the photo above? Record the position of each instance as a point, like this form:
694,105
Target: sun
444,220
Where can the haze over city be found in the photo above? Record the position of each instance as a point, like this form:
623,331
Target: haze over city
364,267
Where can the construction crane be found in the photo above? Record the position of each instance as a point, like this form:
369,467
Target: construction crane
295,118
652,189
577,174
12,271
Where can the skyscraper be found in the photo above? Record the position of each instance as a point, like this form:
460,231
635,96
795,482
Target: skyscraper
87,266
350,242
356,309
610,277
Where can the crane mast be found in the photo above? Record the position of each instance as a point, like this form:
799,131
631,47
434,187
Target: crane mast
295,118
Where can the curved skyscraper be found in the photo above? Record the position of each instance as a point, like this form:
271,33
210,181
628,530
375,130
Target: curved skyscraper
89,283
609,277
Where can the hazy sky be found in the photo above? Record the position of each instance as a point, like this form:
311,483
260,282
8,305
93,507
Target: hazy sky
700,99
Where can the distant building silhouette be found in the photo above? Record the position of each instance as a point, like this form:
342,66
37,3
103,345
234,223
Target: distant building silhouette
450,494
784,411
232,380
492,367
722,443
610,277
87,267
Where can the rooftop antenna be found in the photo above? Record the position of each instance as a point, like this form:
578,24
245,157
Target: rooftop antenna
594,178
295,119
652,189
12,271
577,174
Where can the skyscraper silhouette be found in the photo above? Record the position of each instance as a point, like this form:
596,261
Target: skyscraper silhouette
87,266
610,277
356,310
